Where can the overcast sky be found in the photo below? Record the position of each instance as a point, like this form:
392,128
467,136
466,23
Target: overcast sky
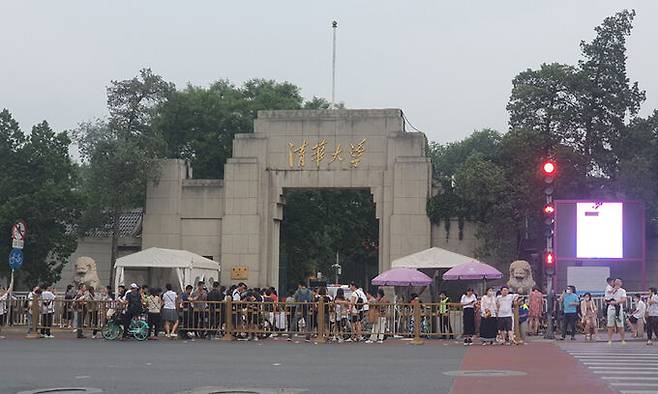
448,65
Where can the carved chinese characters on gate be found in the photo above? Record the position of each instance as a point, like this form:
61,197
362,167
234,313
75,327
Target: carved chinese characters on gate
319,152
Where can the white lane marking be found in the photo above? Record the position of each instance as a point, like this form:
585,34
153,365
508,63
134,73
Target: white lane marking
627,364
637,357
628,377
83,377
613,354
639,391
628,372
634,384
627,368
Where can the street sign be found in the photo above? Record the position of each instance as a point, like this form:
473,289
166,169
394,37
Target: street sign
15,259
17,243
19,230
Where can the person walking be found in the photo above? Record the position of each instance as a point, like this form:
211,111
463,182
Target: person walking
589,313
569,301
636,319
615,311
467,302
488,324
536,305
652,315
169,311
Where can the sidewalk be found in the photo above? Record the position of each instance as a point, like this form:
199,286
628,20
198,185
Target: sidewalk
546,370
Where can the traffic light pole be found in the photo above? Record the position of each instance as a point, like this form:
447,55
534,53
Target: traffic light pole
550,330
549,269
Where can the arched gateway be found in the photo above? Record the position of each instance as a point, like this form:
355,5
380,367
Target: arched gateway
237,220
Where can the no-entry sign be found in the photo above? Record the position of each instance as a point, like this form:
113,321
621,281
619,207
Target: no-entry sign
19,230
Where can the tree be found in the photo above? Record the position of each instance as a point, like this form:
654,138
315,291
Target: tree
608,96
119,153
583,116
198,124
587,106
39,186
547,101
316,224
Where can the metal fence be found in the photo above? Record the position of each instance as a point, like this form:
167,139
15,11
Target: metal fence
320,321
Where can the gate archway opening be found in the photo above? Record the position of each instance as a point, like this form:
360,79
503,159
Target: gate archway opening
322,227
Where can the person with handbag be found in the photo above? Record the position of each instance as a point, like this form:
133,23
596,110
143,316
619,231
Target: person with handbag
379,317
488,323
589,312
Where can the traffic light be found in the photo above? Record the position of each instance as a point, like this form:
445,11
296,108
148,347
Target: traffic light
549,218
549,262
549,170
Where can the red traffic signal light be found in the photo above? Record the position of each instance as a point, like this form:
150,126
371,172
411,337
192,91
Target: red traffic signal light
549,210
549,168
549,259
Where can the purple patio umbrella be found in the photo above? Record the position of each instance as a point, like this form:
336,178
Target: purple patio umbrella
402,277
473,270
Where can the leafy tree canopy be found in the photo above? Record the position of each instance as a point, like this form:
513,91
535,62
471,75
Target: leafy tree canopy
38,185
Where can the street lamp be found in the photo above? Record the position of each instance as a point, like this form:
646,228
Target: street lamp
338,270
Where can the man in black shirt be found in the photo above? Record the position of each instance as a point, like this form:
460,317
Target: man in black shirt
134,307
214,296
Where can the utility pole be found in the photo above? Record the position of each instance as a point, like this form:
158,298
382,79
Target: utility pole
334,26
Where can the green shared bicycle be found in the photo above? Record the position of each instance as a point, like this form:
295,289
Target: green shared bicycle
113,329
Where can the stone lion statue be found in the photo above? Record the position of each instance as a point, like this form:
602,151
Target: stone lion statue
520,277
85,272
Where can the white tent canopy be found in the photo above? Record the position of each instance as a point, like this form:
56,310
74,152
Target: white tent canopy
432,258
188,267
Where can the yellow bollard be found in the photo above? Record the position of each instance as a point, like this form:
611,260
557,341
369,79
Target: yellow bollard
322,335
36,317
417,317
228,334
517,325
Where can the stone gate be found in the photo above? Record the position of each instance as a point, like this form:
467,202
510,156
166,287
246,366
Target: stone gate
237,221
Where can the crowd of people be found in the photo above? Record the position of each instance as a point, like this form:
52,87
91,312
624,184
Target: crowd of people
350,314
198,311
492,314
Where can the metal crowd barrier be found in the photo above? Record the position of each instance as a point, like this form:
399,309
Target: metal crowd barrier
320,321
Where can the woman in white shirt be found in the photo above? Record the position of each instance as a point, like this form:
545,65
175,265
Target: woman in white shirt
488,324
636,319
169,311
468,301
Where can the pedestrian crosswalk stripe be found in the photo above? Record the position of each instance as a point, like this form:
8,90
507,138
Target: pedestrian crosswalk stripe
629,377
633,384
639,391
628,372
627,368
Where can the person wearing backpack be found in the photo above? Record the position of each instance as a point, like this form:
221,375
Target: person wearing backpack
359,307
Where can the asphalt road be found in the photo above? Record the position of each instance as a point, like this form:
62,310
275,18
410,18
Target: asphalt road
177,366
